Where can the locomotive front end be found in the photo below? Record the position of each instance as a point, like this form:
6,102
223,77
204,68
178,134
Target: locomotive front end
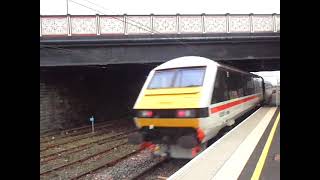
168,112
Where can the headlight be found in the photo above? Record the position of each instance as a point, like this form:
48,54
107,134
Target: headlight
146,113
186,113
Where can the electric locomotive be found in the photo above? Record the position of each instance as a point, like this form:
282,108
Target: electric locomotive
186,101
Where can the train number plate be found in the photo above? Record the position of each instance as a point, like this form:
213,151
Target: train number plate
221,114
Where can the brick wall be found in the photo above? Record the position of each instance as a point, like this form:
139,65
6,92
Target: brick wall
70,95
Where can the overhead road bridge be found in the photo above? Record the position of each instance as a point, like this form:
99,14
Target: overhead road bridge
248,40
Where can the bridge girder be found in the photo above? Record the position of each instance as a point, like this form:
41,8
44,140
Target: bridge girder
240,50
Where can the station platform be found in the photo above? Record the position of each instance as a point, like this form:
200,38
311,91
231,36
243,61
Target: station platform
264,162
251,150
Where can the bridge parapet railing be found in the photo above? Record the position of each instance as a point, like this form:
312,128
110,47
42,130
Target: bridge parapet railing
96,25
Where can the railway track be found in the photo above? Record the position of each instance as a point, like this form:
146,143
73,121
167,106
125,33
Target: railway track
63,165
66,140
65,152
107,164
46,147
77,153
92,163
72,134
67,131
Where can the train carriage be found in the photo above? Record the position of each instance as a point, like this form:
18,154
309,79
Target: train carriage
186,101
269,90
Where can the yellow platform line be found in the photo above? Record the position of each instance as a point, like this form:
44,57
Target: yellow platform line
262,159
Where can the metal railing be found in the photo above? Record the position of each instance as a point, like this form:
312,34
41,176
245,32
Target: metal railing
96,25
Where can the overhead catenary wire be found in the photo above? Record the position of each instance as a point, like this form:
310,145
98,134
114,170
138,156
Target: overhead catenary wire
140,24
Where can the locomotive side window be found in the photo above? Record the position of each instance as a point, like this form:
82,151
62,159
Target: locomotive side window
231,84
235,85
260,85
239,84
244,84
220,91
250,85
257,84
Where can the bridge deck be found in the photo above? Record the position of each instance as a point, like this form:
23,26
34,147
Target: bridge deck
96,25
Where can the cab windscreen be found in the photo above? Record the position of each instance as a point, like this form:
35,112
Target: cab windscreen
177,78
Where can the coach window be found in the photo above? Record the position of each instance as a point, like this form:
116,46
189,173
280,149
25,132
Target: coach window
220,91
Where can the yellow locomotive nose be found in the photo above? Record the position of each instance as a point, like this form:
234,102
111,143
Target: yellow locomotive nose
170,98
167,122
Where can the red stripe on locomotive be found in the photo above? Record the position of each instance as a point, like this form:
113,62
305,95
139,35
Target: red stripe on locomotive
229,105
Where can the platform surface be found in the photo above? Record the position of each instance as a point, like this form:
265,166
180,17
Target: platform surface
270,162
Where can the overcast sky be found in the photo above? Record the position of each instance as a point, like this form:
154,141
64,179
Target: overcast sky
271,76
56,7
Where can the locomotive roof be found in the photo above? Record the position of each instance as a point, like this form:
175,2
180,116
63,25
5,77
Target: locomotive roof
189,61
